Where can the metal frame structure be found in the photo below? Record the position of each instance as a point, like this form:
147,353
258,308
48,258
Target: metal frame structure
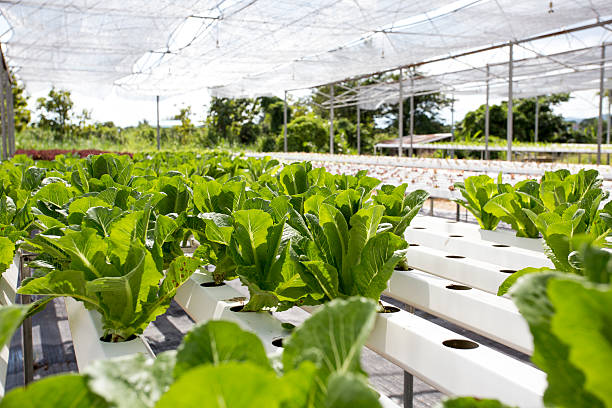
379,91
7,112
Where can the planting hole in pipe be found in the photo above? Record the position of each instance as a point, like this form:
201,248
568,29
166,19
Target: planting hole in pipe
455,256
509,271
107,339
451,222
419,228
413,244
456,236
460,344
390,309
237,308
458,287
501,246
278,342
212,284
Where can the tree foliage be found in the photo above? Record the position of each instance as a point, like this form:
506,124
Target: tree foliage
56,112
552,127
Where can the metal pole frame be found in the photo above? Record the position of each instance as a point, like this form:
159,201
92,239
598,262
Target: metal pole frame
487,119
26,326
601,96
510,123
285,124
609,120
11,118
158,135
358,130
401,115
537,119
3,115
452,152
331,119
411,115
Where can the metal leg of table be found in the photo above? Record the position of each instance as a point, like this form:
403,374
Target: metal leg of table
26,330
408,390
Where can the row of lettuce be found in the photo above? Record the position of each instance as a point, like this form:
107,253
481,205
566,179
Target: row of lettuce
568,308
108,231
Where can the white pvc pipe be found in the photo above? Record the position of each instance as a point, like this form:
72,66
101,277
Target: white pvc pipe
86,330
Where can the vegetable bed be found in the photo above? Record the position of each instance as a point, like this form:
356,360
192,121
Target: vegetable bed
109,233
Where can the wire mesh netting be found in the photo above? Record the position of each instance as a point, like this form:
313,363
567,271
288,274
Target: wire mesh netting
254,47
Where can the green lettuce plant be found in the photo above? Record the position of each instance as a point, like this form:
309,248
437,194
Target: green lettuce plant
116,276
343,258
477,191
400,208
318,368
510,206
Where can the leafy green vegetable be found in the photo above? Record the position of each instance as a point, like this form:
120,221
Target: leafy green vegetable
566,382
123,286
477,191
470,402
134,381
215,386
44,394
219,342
7,253
400,208
11,317
339,260
332,339
582,321
509,207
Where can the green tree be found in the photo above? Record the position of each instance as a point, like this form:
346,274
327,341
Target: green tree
427,109
56,113
551,127
186,129
307,134
227,116
273,109
20,105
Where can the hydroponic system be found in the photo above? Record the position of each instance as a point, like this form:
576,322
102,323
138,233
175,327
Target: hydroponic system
297,270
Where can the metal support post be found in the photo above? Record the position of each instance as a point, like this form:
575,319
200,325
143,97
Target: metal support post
458,212
158,136
411,115
609,124
11,118
487,118
431,206
358,130
331,119
452,152
401,114
285,124
510,123
609,120
601,96
26,328
408,390
537,119
3,117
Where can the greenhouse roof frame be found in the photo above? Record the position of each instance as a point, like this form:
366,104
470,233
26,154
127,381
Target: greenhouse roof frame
254,47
